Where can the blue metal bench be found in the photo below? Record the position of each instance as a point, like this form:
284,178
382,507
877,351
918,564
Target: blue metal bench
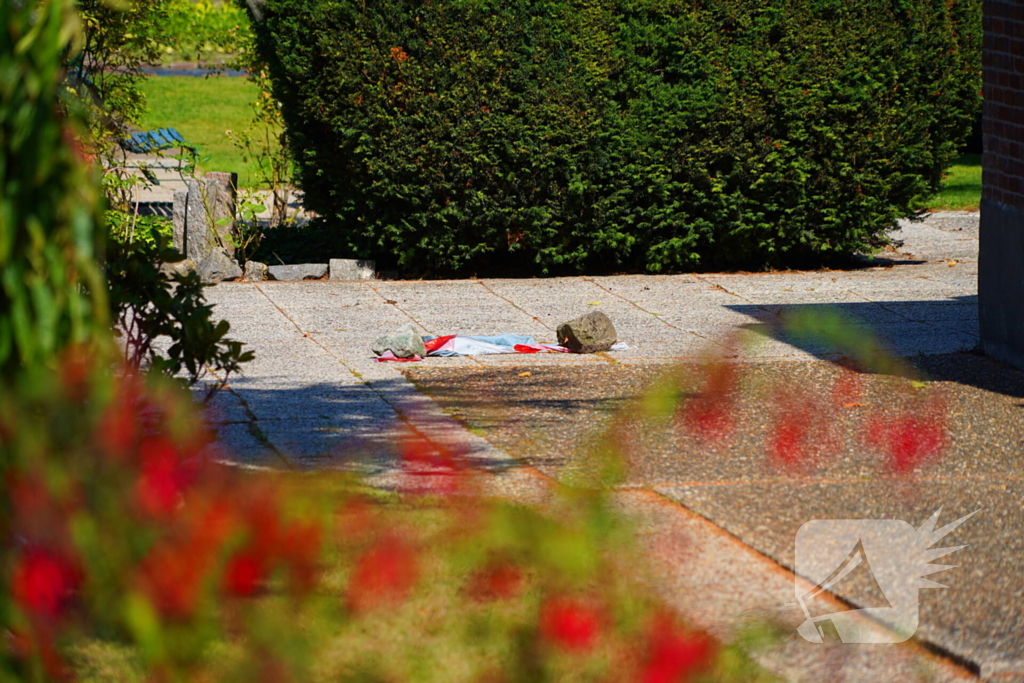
155,141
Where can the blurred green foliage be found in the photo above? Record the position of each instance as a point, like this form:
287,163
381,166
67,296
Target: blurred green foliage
149,302
52,293
128,228
195,30
561,135
119,39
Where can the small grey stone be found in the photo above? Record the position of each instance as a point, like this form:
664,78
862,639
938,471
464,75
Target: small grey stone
300,271
589,333
255,271
405,342
352,269
219,266
182,267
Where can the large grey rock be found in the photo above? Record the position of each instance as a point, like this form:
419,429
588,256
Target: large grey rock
178,220
203,216
200,238
255,271
588,333
352,269
221,190
404,342
219,266
299,271
182,267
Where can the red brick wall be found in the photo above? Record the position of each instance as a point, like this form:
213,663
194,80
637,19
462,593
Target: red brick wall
1003,60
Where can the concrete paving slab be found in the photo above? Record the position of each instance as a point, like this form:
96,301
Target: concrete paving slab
237,445
911,288
901,338
978,617
299,356
925,242
640,282
277,402
965,327
933,312
844,475
315,398
725,586
225,407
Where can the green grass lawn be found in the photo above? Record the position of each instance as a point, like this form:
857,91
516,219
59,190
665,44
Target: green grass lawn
202,109
962,188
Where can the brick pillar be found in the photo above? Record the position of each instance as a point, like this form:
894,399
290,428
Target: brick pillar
1001,259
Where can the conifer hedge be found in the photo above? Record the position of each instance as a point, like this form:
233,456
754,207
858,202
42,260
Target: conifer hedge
462,135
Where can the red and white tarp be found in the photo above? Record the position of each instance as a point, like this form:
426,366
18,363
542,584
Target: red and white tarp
464,345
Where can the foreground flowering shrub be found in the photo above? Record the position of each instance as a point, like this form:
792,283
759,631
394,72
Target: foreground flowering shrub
128,554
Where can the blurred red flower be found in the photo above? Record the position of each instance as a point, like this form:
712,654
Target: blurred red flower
42,581
300,548
675,654
244,573
570,623
422,458
384,573
262,518
710,413
173,574
118,428
75,367
914,436
496,581
848,388
163,477
174,570
355,520
788,442
908,441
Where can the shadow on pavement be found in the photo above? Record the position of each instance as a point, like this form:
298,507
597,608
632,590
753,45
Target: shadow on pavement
938,338
284,422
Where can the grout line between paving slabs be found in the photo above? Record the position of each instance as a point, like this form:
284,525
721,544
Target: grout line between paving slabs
699,278
253,425
512,304
674,327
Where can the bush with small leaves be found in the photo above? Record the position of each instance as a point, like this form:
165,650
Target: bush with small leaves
568,135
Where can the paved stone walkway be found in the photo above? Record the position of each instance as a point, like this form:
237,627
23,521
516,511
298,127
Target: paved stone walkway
315,398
